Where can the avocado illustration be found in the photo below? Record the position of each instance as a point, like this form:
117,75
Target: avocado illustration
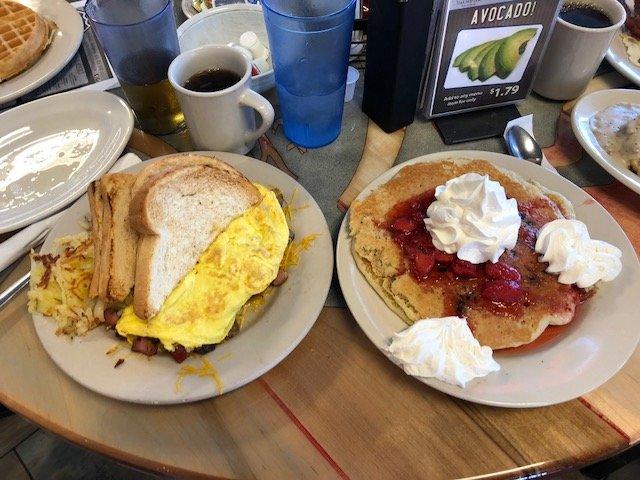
462,59
488,65
471,63
511,50
474,64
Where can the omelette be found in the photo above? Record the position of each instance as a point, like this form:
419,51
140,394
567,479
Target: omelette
241,262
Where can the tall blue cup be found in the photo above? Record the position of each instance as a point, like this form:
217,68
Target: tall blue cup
140,41
310,41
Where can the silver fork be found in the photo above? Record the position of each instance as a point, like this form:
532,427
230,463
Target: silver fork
23,281
13,289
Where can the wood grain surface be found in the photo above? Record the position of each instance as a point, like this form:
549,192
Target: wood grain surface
335,408
378,155
149,144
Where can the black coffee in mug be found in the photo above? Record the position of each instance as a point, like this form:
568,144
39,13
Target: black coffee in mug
212,80
585,14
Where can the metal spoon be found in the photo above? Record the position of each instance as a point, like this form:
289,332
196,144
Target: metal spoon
521,144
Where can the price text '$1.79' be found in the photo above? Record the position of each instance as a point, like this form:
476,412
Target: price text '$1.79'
504,91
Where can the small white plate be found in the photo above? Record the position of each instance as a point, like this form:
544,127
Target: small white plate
223,25
587,107
64,46
279,327
50,149
189,10
590,352
618,58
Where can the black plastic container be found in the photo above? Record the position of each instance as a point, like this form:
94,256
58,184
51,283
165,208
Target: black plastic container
397,37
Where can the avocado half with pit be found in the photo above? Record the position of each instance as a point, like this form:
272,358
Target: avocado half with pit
512,48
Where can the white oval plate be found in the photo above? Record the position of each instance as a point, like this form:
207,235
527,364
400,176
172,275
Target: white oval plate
64,46
617,56
587,107
50,149
223,25
280,327
590,352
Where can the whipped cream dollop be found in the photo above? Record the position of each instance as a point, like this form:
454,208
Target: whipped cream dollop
443,348
571,252
473,218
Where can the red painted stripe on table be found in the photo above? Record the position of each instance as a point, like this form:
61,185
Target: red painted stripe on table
606,419
303,429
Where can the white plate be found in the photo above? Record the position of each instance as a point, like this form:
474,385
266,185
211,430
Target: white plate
187,8
587,107
223,25
64,46
280,327
618,58
591,351
50,149
189,11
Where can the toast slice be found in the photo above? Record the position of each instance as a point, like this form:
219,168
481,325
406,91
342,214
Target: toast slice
155,170
95,206
178,213
115,242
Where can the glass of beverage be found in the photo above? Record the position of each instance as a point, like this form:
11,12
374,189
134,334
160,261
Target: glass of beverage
310,42
140,41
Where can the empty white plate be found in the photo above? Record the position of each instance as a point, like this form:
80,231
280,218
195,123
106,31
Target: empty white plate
587,107
64,46
279,326
50,149
593,348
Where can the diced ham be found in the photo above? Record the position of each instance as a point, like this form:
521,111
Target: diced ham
144,345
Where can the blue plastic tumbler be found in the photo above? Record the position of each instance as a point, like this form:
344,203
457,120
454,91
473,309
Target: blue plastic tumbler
140,41
310,41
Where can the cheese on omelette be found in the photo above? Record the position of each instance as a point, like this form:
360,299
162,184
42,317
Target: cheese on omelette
241,262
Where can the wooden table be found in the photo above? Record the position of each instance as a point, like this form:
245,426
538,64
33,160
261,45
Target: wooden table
335,408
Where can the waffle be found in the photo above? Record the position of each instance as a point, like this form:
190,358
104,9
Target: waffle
24,36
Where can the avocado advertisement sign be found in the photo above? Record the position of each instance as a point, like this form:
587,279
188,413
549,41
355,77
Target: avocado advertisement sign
486,53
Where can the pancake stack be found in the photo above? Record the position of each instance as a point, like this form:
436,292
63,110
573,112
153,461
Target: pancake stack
24,36
387,270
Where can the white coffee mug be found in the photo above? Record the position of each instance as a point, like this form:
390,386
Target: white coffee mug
222,120
574,53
